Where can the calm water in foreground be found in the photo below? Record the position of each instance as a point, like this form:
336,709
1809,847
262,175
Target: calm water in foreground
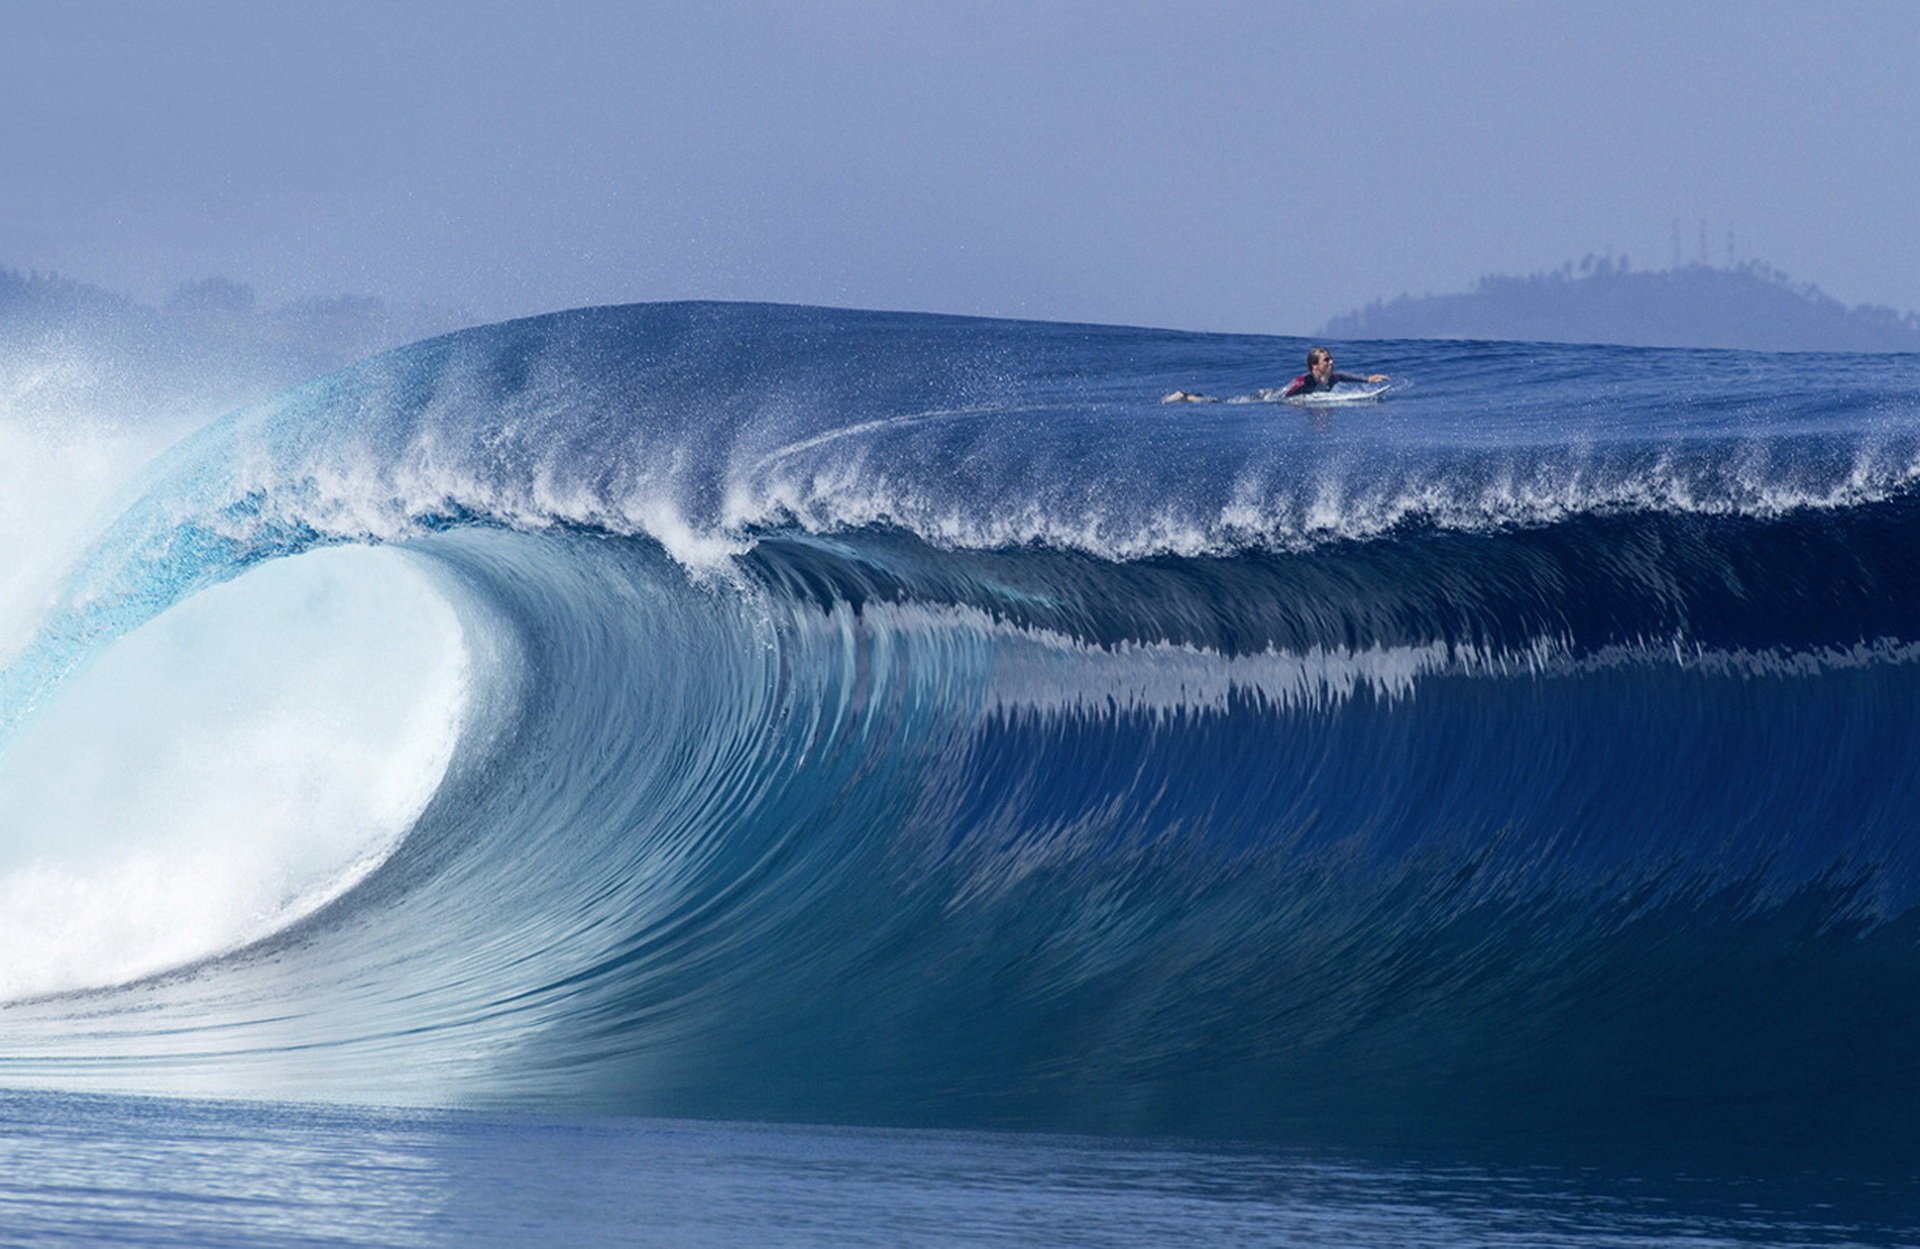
116,1170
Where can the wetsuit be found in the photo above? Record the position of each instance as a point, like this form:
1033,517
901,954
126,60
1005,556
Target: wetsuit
1307,383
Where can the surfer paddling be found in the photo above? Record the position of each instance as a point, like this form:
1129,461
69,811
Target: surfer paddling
1319,379
1320,375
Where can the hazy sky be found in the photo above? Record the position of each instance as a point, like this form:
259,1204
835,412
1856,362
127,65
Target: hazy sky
1213,166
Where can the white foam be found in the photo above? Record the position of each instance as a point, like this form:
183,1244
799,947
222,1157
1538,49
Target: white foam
706,501
1042,671
225,769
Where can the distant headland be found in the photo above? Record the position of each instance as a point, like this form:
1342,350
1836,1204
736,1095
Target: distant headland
72,346
214,312
1749,305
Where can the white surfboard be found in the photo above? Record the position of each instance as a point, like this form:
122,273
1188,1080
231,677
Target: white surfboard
1341,394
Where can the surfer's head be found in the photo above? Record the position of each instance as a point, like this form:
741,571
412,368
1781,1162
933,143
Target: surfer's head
1319,361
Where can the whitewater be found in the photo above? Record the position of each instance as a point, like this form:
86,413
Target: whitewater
794,715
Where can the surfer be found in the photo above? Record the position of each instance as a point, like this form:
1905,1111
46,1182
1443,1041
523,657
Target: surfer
1320,375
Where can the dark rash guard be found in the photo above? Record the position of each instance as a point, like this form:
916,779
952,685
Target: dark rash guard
1307,383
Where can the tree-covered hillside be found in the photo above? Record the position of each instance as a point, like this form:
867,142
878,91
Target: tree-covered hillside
1602,301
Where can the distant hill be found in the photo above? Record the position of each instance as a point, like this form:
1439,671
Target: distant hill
70,347
1750,306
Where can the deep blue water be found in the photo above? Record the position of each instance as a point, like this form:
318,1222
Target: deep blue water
908,722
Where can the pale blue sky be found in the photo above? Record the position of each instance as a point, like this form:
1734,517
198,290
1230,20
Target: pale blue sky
1227,166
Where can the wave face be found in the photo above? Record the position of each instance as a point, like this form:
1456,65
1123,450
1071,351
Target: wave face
787,713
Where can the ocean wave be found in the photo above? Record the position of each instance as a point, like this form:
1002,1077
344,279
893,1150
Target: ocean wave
788,713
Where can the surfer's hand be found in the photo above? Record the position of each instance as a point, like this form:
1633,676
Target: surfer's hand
1377,377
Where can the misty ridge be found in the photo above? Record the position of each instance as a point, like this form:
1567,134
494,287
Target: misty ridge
1750,306
72,349
219,310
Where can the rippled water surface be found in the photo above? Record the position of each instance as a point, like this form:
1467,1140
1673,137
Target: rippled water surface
104,1170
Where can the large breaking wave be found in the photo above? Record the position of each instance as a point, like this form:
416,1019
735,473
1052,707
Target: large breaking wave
792,713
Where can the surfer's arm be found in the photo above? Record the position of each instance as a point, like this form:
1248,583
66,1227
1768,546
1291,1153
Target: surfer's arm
1364,381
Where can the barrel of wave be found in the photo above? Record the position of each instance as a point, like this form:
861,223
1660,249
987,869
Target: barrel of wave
227,768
